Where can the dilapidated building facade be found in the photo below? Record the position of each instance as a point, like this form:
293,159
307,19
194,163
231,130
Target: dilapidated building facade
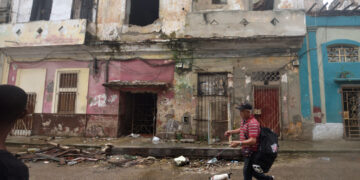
162,67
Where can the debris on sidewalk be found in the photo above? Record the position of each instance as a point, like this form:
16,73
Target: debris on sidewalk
134,135
155,140
187,140
128,161
212,161
61,154
181,161
107,149
325,158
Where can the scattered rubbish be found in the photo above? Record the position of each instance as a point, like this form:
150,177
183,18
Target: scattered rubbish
134,135
212,161
149,160
107,149
235,162
181,161
46,162
61,154
325,158
187,140
130,157
155,140
33,150
221,177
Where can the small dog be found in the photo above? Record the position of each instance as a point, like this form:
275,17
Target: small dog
220,177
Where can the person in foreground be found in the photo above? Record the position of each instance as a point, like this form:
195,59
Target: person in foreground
249,132
12,107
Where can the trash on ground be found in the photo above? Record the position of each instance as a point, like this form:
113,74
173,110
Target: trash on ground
155,140
181,161
212,161
61,154
107,149
134,135
325,158
187,140
221,177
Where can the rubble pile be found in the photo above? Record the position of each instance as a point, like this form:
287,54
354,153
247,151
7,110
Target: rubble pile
62,154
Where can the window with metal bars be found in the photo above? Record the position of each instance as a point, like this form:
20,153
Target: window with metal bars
212,84
351,112
343,53
67,92
4,11
265,76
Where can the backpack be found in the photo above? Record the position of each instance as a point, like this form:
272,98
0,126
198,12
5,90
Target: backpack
267,152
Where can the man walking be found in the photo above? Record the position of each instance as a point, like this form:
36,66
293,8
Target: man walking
249,132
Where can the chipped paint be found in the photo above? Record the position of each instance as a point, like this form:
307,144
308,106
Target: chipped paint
71,32
101,100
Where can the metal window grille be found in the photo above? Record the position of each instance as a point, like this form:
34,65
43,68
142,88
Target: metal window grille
67,93
23,126
82,9
211,112
265,76
351,112
4,11
343,53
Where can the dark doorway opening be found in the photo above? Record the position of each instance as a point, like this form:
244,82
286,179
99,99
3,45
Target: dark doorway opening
143,12
41,10
139,115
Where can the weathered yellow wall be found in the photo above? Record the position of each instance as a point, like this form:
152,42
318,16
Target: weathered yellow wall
33,81
82,89
67,32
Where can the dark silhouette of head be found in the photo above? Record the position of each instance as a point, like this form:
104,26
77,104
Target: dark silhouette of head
245,110
12,105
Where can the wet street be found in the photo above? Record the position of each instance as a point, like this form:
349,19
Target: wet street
288,166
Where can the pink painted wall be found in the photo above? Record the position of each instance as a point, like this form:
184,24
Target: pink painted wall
101,100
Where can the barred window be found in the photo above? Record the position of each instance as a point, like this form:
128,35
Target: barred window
67,92
4,11
343,53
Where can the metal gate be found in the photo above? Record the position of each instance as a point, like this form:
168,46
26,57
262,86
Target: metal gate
266,107
23,127
212,106
351,112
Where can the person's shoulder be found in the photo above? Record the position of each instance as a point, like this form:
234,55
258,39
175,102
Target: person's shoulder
12,167
254,121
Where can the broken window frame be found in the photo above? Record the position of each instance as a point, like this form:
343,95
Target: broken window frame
128,11
82,9
41,10
217,2
5,12
338,53
70,93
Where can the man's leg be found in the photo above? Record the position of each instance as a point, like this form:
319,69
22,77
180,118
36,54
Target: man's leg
247,169
258,176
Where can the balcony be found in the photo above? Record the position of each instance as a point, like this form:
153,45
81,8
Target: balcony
43,33
245,24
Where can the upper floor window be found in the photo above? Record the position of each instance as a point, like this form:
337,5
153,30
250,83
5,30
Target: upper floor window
343,53
263,5
4,11
142,12
82,9
219,1
41,10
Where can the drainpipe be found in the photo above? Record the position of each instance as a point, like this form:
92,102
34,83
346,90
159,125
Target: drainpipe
107,71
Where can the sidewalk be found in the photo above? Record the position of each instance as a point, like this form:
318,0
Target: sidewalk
144,146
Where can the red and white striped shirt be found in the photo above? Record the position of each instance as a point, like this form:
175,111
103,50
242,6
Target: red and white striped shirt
250,128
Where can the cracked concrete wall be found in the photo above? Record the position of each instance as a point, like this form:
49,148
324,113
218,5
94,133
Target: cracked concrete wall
112,16
291,123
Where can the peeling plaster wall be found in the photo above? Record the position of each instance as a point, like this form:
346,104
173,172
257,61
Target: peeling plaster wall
292,126
206,5
112,14
102,110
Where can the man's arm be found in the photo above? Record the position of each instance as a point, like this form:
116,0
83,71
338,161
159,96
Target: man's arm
249,141
229,132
